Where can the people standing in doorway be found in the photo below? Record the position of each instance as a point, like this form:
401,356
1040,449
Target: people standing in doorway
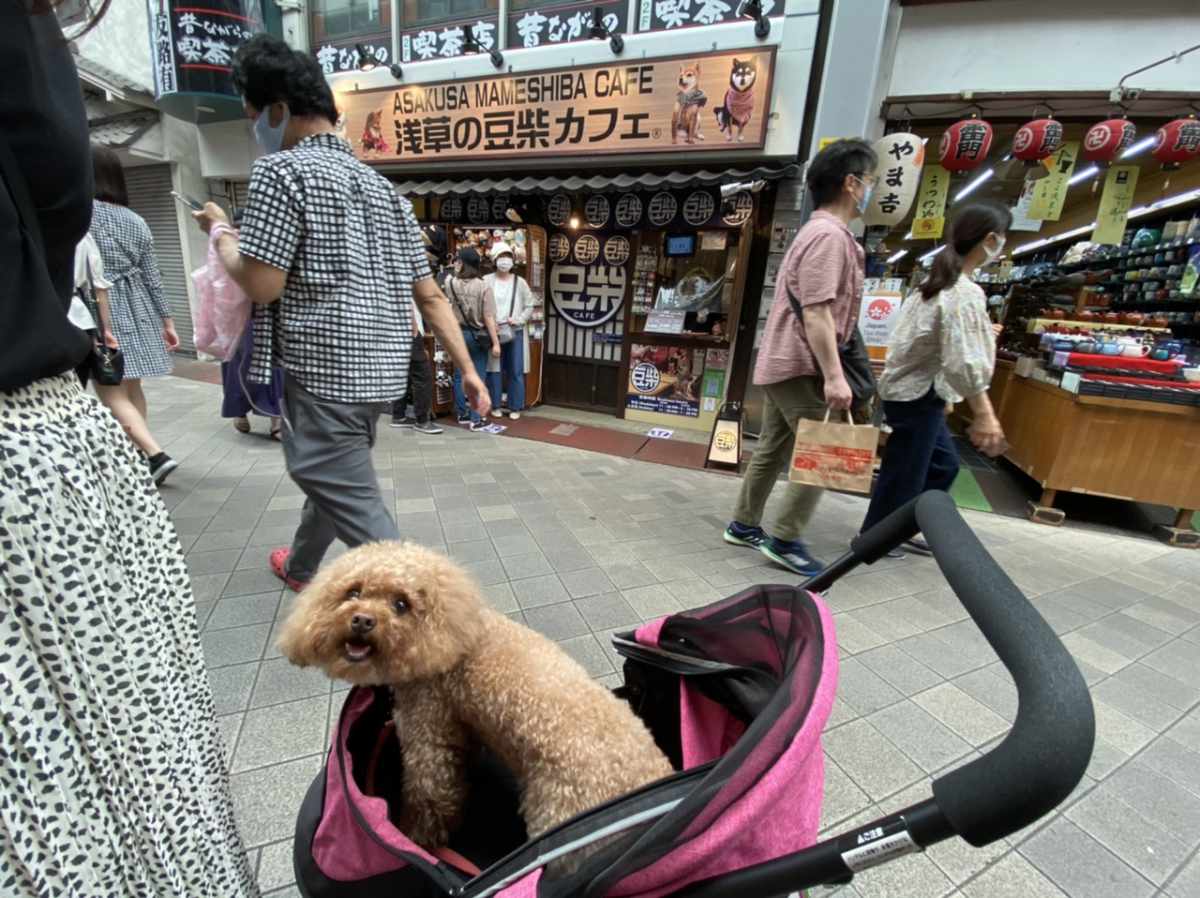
514,306
333,259
475,309
419,394
114,778
942,351
798,363
141,321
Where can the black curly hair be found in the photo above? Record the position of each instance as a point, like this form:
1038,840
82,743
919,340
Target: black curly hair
266,71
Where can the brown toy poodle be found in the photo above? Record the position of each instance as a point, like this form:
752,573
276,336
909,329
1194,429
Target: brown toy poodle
400,615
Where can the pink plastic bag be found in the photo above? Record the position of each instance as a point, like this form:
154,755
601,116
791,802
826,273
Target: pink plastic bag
222,309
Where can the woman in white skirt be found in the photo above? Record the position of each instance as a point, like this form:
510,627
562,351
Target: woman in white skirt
113,780
141,320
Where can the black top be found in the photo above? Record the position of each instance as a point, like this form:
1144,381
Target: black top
42,120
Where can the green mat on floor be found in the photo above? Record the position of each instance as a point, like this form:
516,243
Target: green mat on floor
967,492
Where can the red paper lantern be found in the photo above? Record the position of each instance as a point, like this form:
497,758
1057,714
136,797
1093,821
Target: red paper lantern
965,145
1178,141
1037,140
1106,140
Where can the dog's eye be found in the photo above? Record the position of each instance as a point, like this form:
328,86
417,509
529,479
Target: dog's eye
401,605
352,594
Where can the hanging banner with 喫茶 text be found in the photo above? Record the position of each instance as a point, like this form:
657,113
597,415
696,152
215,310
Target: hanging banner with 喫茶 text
692,103
1115,202
1051,191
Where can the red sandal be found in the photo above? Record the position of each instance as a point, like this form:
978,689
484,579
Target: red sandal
279,559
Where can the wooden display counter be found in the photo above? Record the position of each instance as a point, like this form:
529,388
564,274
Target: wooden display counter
1120,448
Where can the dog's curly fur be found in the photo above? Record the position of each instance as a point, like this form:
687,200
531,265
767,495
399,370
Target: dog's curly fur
401,615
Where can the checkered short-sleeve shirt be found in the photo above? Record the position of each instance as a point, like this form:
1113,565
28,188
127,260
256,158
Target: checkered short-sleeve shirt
352,251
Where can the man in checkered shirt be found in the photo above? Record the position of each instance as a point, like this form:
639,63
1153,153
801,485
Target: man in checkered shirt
333,259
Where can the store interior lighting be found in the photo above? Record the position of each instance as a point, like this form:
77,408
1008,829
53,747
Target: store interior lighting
753,9
366,62
929,255
896,257
1140,147
599,31
1083,175
1186,197
974,185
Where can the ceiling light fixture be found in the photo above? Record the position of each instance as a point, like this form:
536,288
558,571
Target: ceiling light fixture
1186,197
1140,147
970,188
933,252
1083,175
896,257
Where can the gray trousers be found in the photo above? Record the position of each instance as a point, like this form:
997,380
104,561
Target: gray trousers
327,449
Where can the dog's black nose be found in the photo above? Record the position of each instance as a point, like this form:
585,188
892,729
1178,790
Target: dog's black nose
362,623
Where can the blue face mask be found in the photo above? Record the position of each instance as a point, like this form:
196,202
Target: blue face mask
270,140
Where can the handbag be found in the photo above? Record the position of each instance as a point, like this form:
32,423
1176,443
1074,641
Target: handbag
482,338
856,364
504,331
105,364
834,455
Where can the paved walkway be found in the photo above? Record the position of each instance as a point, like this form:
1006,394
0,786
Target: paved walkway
578,545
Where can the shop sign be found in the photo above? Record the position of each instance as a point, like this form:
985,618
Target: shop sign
343,56
901,157
445,41
664,322
587,294
643,106
1022,220
663,15
1115,202
877,316
712,387
1051,191
665,380
562,24
193,42
930,216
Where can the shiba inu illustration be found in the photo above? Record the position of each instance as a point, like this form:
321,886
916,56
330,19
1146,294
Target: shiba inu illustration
372,136
738,106
688,103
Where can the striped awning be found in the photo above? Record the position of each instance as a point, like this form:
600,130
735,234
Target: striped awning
618,181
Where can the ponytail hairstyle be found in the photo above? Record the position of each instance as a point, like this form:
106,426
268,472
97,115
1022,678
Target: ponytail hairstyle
970,225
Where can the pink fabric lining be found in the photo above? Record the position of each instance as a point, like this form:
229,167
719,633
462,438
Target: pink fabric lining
341,849
777,815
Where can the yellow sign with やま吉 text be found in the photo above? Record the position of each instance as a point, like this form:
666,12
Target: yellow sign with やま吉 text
930,216
1051,191
1115,202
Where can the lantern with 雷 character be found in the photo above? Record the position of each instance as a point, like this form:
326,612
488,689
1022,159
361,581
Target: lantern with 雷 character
1106,141
897,174
1178,142
1035,141
965,145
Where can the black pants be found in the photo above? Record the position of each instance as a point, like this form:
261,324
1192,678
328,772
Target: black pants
420,385
920,455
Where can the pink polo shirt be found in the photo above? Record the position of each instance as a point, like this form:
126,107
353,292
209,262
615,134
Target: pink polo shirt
823,264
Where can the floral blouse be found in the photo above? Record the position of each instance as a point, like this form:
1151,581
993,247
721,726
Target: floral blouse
946,343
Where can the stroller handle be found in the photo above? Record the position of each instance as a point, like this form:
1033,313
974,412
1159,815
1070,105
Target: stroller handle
1045,754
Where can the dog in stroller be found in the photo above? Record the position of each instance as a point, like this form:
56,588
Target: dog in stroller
403,616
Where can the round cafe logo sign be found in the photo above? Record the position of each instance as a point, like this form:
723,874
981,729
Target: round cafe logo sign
558,209
879,310
645,377
596,209
559,248
616,250
699,207
663,207
587,248
629,210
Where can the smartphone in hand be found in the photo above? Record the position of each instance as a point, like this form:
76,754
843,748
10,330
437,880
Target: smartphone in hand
193,204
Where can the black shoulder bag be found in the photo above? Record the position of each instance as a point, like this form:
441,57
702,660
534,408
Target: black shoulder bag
106,365
856,364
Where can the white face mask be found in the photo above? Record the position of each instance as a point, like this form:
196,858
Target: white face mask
990,254
270,139
504,264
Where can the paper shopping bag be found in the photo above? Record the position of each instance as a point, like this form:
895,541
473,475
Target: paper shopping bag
834,455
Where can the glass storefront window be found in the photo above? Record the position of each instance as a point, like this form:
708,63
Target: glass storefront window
415,12
331,20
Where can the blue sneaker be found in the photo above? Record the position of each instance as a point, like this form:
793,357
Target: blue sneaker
791,555
740,535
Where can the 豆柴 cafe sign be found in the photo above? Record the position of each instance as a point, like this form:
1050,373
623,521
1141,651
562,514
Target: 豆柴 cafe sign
686,104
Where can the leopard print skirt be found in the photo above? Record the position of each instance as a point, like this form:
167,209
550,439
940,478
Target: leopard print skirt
112,778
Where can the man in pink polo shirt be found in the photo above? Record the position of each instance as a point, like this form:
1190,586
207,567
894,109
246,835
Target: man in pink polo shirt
798,365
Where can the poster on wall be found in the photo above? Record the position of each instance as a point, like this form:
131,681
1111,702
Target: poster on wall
682,104
665,380
562,23
877,317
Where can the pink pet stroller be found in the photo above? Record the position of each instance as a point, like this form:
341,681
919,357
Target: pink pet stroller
736,694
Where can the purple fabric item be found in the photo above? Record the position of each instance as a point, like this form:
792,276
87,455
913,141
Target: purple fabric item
777,808
242,395
341,848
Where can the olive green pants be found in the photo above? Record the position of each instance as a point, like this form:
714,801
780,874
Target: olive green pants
783,404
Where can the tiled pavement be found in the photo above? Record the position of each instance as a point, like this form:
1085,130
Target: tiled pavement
578,545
